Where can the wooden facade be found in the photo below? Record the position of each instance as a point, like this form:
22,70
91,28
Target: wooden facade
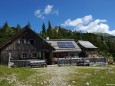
25,45
88,49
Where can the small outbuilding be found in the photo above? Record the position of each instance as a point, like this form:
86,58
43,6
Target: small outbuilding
88,49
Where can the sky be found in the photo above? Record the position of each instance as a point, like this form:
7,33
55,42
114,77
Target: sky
82,15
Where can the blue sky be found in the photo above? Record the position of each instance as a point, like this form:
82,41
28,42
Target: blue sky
87,15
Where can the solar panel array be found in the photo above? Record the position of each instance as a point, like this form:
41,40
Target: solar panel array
65,45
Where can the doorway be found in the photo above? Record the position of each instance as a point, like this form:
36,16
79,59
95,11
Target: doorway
48,58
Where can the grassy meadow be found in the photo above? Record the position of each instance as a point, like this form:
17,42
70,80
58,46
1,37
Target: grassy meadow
58,76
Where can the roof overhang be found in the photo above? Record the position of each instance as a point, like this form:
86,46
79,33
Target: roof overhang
65,50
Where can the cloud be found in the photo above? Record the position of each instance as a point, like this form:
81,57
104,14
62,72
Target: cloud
49,9
39,14
55,12
112,32
87,24
77,21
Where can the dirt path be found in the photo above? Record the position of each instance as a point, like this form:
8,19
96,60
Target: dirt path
58,75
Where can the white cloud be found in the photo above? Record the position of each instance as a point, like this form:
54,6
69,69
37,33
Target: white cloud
48,9
77,21
112,32
73,23
39,14
88,24
55,12
87,19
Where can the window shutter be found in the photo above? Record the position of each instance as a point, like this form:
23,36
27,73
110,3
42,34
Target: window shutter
18,41
28,42
24,41
40,54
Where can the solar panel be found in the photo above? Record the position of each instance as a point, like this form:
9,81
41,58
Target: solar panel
62,45
70,45
65,45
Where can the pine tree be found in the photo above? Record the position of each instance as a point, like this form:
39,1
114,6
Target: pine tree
49,25
18,26
43,29
49,30
5,25
29,25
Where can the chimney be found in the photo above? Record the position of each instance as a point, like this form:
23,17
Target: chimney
47,38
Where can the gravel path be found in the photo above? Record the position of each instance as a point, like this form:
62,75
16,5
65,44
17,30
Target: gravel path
58,75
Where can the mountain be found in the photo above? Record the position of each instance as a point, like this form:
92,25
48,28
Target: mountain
106,36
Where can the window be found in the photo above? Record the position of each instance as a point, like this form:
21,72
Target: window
24,55
22,41
31,41
34,55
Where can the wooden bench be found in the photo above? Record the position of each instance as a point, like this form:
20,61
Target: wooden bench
38,63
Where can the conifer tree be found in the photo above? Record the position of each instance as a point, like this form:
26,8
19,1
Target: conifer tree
5,25
43,28
18,26
43,31
29,25
49,30
49,25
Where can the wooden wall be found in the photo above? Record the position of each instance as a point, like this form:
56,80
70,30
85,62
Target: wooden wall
16,48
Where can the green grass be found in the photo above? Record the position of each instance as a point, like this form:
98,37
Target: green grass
23,76
95,76
20,74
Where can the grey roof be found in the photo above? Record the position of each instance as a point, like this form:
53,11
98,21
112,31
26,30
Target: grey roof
53,43
86,44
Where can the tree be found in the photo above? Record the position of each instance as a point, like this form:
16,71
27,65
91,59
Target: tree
43,28
49,30
5,25
43,31
49,25
29,25
18,26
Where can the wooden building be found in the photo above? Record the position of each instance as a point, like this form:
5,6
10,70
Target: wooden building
27,46
23,47
88,49
64,48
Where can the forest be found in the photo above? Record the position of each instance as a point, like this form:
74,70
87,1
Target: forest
104,41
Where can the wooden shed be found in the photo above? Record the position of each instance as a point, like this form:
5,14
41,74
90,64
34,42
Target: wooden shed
88,49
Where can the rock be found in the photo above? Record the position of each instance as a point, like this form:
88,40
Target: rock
41,83
44,81
87,83
73,81
69,85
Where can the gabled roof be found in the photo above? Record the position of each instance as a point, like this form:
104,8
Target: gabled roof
13,38
54,43
18,35
86,44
